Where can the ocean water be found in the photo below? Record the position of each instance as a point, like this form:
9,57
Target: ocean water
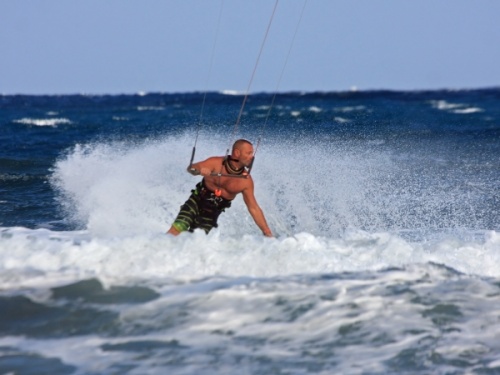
385,208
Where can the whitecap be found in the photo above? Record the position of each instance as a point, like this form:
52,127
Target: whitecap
350,108
459,108
444,105
341,120
150,108
231,92
53,122
315,109
467,110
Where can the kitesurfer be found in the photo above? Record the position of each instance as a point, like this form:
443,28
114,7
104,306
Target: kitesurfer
218,188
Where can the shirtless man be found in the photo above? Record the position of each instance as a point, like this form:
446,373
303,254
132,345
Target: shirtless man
214,193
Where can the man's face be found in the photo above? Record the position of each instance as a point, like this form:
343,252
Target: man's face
246,154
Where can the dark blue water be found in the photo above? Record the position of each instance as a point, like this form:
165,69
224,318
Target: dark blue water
385,206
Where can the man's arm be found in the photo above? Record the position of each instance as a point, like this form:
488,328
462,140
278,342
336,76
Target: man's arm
255,210
203,168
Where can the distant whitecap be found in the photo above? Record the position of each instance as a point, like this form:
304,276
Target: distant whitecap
43,122
150,108
231,92
315,109
459,108
468,110
341,120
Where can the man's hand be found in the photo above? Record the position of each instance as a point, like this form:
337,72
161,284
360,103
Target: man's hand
267,233
193,171
203,171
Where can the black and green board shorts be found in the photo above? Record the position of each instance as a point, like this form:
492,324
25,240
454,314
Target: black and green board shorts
201,210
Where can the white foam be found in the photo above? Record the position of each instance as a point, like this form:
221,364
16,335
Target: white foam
40,257
467,110
341,120
53,122
459,108
315,109
351,108
444,105
231,92
150,108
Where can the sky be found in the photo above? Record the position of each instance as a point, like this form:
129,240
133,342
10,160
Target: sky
131,46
